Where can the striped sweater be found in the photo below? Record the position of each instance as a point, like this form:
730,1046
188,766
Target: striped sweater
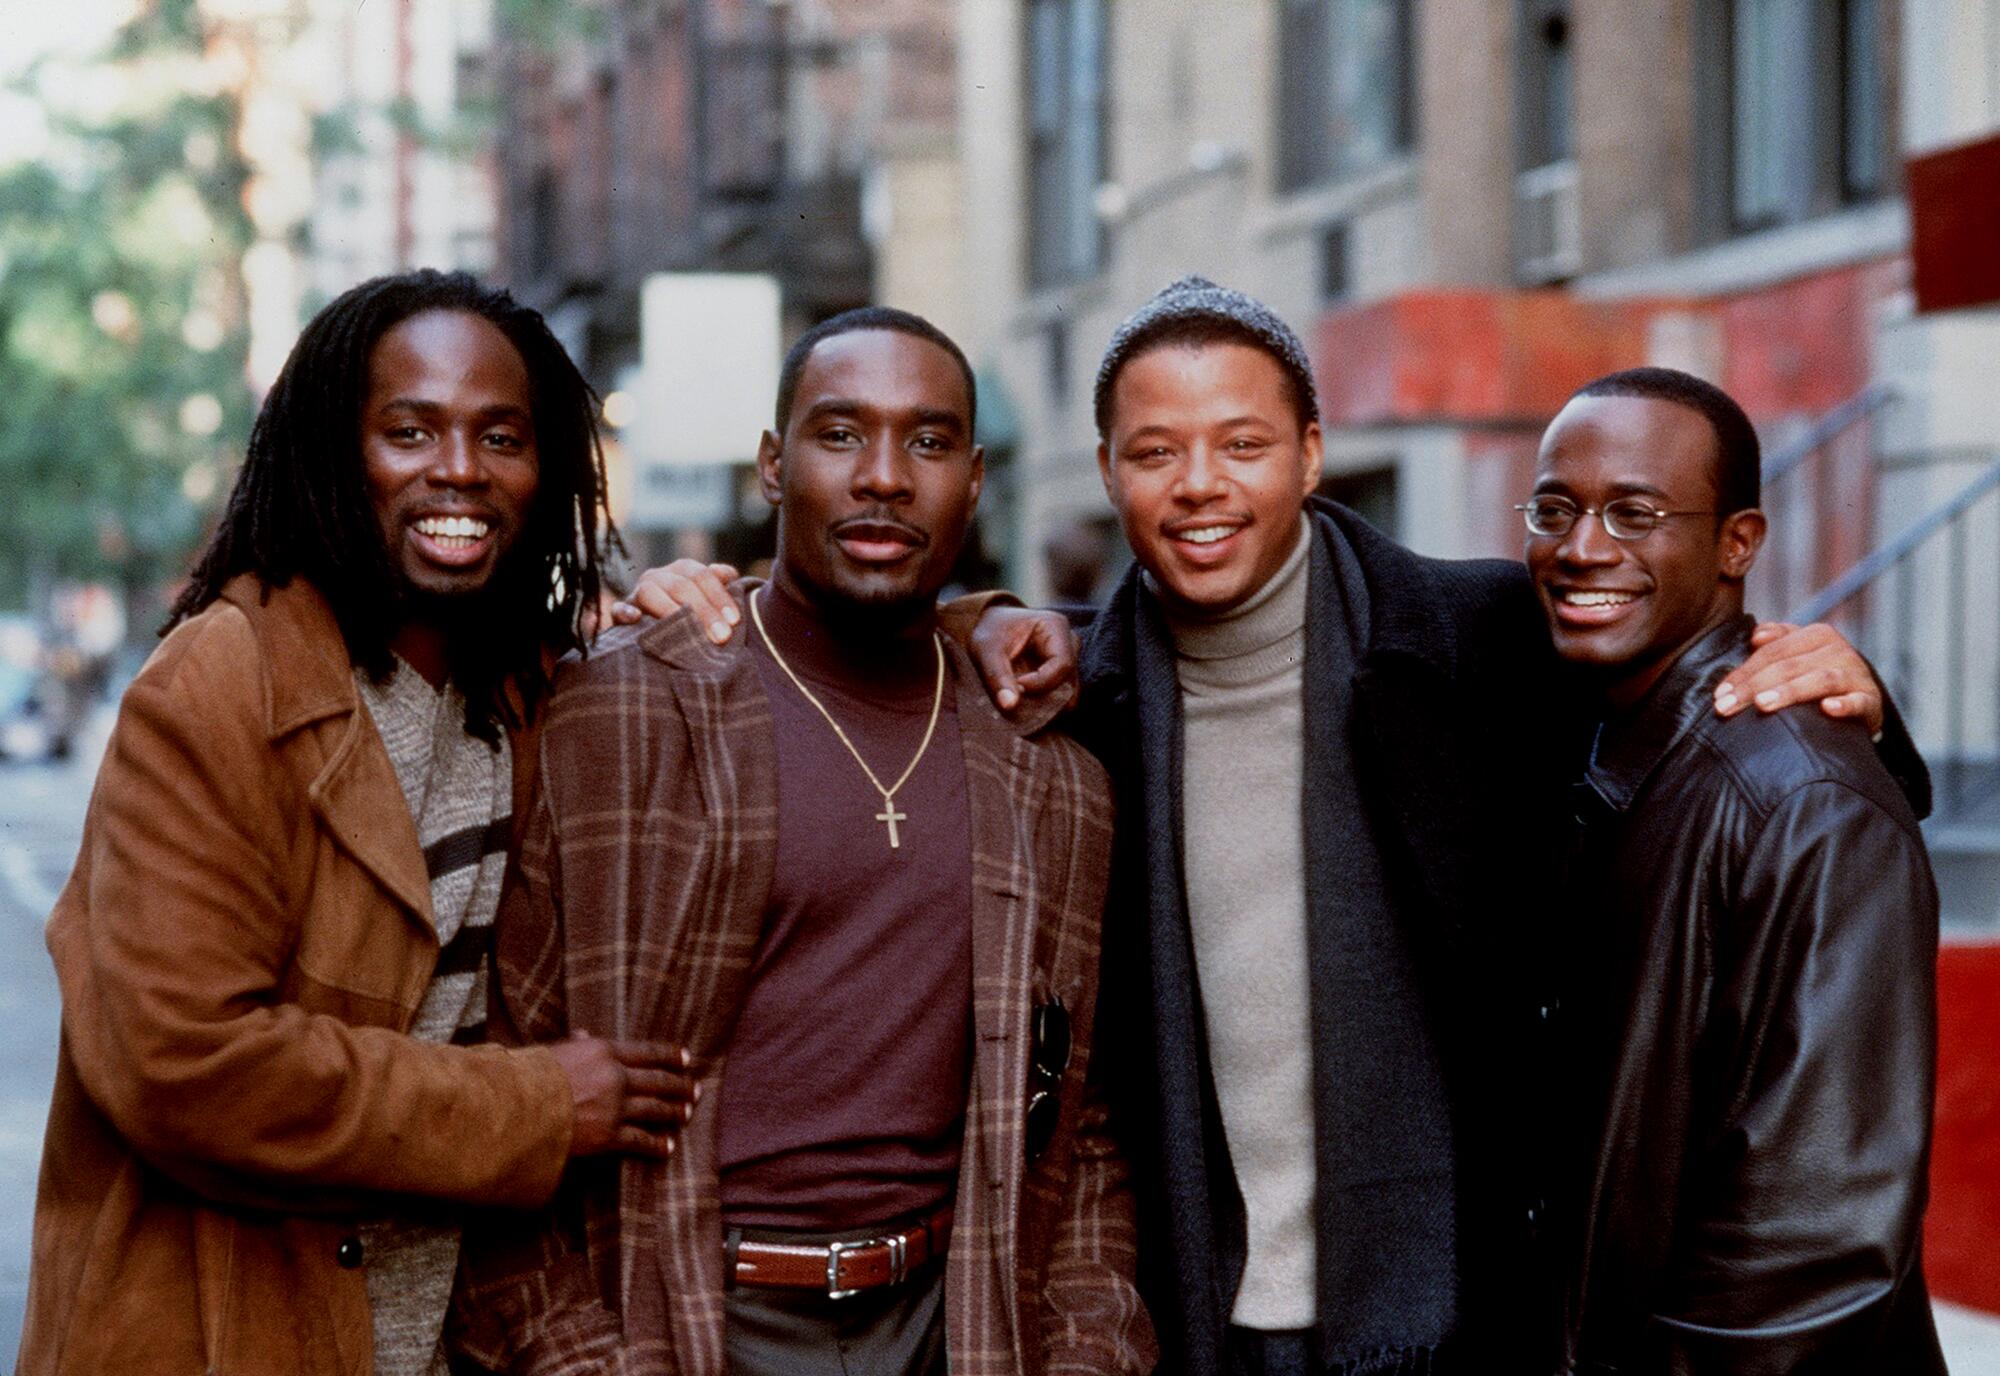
460,794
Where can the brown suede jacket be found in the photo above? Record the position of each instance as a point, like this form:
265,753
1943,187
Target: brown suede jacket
244,940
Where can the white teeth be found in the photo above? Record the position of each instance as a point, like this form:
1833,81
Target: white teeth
454,531
1206,535
1598,599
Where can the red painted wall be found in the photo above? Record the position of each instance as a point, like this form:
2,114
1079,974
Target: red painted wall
1962,1230
1804,346
1798,347
1499,364
1471,356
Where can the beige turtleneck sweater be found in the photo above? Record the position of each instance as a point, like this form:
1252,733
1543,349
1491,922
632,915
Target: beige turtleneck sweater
1241,678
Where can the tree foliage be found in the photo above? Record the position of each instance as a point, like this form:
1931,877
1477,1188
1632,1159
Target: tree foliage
545,26
122,337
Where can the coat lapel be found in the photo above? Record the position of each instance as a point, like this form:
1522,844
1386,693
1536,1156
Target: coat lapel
355,793
1003,798
362,806
1407,722
1129,664
704,911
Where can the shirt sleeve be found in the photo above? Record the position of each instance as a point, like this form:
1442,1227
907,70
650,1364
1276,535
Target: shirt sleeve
1806,1189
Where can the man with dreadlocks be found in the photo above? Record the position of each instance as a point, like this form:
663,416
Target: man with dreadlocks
272,948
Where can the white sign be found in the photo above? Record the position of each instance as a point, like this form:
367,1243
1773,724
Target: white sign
682,496
708,368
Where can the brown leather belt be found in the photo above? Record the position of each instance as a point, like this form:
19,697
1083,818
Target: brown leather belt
840,1269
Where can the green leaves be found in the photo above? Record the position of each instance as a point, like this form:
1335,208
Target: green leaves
120,301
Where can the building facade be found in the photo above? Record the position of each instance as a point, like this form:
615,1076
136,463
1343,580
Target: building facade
404,171
1468,208
811,140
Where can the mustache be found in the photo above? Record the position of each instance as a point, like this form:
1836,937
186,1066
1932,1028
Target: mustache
880,520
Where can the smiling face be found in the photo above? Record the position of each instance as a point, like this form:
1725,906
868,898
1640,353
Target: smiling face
1627,608
448,447
876,476
1207,466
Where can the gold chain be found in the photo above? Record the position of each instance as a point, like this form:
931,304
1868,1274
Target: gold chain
888,813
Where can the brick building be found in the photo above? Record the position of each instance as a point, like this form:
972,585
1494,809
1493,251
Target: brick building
813,140
403,177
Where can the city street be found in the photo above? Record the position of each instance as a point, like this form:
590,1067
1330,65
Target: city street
41,820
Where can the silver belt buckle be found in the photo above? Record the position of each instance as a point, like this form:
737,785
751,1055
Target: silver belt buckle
899,1256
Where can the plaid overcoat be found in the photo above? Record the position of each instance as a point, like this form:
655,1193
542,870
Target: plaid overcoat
635,911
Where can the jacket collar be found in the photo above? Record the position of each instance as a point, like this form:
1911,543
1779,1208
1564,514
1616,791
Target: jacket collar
1631,746
296,627
1407,612
679,642
308,677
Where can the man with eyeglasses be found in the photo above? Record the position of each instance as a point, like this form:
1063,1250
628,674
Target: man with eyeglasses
869,905
1749,927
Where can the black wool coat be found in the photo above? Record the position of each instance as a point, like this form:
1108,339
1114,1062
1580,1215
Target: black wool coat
1458,732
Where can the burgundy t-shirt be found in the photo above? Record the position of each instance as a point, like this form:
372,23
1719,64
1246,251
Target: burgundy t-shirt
843,1100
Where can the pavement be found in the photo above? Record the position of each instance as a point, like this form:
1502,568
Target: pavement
1971,1339
41,822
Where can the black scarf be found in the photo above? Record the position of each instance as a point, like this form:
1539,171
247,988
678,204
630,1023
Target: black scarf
1387,1293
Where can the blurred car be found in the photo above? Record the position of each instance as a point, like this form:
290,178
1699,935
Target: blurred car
27,729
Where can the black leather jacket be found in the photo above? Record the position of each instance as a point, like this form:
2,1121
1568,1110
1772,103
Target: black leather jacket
1751,927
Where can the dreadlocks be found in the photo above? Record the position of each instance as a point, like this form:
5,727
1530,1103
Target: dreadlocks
301,507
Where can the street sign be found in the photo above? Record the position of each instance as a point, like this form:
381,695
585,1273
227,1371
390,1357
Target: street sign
681,497
702,395
708,367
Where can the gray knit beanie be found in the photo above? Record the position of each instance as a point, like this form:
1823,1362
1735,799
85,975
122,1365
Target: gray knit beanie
1197,305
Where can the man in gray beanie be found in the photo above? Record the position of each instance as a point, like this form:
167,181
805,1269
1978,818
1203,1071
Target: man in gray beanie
1324,1001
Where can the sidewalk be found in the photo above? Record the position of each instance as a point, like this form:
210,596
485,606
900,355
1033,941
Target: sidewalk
1971,1340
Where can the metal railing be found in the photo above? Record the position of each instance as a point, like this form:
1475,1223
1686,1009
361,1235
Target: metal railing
1813,483
1780,462
1933,632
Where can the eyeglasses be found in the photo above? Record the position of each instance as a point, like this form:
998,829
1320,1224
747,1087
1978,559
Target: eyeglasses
1628,518
1046,1064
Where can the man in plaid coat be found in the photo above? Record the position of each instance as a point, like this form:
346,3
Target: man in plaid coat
899,1160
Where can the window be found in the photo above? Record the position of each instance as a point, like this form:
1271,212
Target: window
1548,230
1344,77
1369,492
544,218
1804,128
1547,123
1065,117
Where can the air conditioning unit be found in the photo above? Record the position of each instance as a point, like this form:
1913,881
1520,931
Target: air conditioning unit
1548,243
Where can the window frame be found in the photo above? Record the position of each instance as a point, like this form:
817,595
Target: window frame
1838,121
1066,159
1307,102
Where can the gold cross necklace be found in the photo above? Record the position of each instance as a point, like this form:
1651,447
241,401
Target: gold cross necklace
888,814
